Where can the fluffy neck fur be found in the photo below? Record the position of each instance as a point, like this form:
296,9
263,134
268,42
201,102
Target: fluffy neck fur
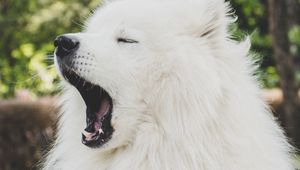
236,132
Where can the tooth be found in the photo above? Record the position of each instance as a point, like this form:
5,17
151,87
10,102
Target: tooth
88,135
101,131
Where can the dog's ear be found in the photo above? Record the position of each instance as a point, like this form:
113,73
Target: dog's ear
214,20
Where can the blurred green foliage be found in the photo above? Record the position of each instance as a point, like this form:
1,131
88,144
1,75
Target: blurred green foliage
27,30
253,21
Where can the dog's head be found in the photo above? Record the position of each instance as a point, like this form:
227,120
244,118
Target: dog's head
130,53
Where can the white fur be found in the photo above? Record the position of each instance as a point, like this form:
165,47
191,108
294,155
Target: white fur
184,97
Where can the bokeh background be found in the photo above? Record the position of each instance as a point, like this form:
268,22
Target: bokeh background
28,80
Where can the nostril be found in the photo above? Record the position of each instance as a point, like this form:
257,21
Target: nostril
65,45
66,42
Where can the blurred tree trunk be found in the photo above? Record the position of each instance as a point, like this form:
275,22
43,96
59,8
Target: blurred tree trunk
293,12
278,26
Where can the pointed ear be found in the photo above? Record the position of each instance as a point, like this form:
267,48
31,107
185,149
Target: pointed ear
214,20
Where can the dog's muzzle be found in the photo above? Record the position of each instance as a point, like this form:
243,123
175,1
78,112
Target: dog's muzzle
66,47
99,105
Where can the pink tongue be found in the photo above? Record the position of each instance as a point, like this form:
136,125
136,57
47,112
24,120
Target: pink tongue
103,110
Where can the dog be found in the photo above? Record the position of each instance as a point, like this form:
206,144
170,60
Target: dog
160,85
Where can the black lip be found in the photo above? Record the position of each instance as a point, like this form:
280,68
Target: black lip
92,95
100,139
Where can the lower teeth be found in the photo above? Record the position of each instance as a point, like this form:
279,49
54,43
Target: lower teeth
88,135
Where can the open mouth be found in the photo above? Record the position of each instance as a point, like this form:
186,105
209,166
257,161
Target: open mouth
98,110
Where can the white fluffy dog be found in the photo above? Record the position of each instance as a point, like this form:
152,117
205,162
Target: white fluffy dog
159,85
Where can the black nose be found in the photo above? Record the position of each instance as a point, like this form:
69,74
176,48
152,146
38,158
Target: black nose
65,45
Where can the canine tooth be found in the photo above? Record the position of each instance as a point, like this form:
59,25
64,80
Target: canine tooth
101,131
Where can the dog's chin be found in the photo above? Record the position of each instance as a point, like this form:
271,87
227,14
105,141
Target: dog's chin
99,107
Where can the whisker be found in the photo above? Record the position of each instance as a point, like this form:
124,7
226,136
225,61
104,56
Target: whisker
48,59
80,24
50,66
31,79
49,56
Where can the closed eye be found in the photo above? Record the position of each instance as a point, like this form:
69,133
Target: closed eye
126,40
